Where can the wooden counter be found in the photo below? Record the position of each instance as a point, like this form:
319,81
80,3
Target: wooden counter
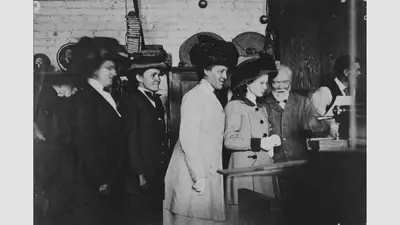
329,188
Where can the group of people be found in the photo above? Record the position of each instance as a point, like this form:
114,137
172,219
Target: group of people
97,162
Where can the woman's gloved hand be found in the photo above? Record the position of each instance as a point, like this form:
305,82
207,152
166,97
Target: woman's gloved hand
268,143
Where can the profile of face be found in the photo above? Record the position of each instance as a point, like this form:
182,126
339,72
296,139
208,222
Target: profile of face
259,85
67,90
150,79
105,73
216,76
357,69
281,84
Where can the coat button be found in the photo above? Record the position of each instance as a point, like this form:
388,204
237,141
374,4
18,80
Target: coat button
284,139
159,119
261,121
257,109
265,135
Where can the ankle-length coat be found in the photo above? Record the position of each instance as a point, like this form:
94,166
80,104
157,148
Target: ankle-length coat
197,154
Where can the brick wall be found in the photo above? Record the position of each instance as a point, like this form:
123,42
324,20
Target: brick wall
165,22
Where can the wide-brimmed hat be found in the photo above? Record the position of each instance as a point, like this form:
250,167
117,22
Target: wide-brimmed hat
209,51
91,48
160,60
187,45
251,69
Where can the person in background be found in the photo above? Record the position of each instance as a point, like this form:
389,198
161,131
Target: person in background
52,103
247,132
148,153
193,189
325,96
99,189
53,149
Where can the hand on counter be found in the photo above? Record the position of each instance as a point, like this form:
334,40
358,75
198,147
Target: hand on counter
334,129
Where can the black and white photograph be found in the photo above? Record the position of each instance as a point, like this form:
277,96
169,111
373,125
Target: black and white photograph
202,112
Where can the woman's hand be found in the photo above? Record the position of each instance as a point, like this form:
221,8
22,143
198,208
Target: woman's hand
200,186
142,181
38,136
276,140
268,143
271,153
104,189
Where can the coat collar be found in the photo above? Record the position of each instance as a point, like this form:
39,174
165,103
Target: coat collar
246,101
140,95
340,85
92,91
206,86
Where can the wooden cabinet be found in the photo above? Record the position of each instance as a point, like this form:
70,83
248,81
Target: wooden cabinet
180,81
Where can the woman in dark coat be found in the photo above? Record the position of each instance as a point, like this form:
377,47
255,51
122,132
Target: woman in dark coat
53,151
148,152
99,138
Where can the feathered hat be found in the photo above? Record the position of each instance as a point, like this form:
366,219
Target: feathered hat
209,51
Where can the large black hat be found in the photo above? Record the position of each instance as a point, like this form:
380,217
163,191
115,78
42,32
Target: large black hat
250,69
90,49
209,51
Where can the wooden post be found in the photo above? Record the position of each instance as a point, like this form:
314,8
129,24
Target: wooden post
352,78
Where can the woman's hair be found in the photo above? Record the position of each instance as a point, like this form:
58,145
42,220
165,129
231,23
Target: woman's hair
240,92
200,71
89,65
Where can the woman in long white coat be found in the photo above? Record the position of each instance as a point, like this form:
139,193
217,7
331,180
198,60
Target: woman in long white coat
193,189
247,130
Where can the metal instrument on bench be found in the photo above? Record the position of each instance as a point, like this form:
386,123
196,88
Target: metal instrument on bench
341,115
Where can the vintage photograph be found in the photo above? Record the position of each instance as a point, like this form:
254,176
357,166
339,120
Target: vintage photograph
199,112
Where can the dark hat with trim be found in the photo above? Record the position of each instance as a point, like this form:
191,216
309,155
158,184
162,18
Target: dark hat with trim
148,62
88,50
251,69
147,59
209,51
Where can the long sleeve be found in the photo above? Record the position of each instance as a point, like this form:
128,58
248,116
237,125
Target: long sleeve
233,138
130,114
321,98
310,121
189,135
89,148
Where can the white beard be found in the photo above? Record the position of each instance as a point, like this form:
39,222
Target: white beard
280,96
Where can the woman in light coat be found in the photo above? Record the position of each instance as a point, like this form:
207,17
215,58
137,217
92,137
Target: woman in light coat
247,130
193,188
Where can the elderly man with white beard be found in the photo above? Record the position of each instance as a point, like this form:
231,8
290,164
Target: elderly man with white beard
293,117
